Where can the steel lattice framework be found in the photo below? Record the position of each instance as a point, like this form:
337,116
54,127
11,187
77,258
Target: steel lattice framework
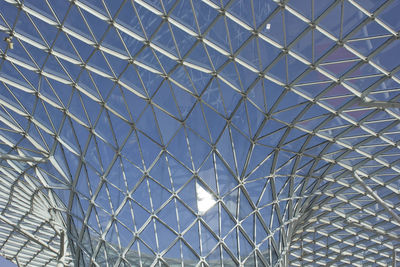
200,133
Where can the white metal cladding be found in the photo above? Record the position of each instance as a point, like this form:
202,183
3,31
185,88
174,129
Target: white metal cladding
199,133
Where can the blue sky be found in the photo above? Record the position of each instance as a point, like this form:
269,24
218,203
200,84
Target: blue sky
6,263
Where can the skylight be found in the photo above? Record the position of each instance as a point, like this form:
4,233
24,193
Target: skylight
199,133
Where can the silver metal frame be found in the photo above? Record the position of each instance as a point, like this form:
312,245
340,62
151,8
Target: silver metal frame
342,185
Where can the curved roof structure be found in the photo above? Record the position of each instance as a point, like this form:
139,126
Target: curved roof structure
199,133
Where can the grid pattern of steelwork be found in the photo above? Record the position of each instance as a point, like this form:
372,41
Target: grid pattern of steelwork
200,133
30,227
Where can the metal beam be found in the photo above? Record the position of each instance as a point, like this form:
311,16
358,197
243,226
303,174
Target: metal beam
376,197
22,158
28,235
380,104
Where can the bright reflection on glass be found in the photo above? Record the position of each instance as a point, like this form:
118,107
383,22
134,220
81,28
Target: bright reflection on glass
204,199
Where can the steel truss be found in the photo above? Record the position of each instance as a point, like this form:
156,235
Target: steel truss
199,133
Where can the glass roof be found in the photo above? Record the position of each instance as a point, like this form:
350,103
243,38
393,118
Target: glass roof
199,133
